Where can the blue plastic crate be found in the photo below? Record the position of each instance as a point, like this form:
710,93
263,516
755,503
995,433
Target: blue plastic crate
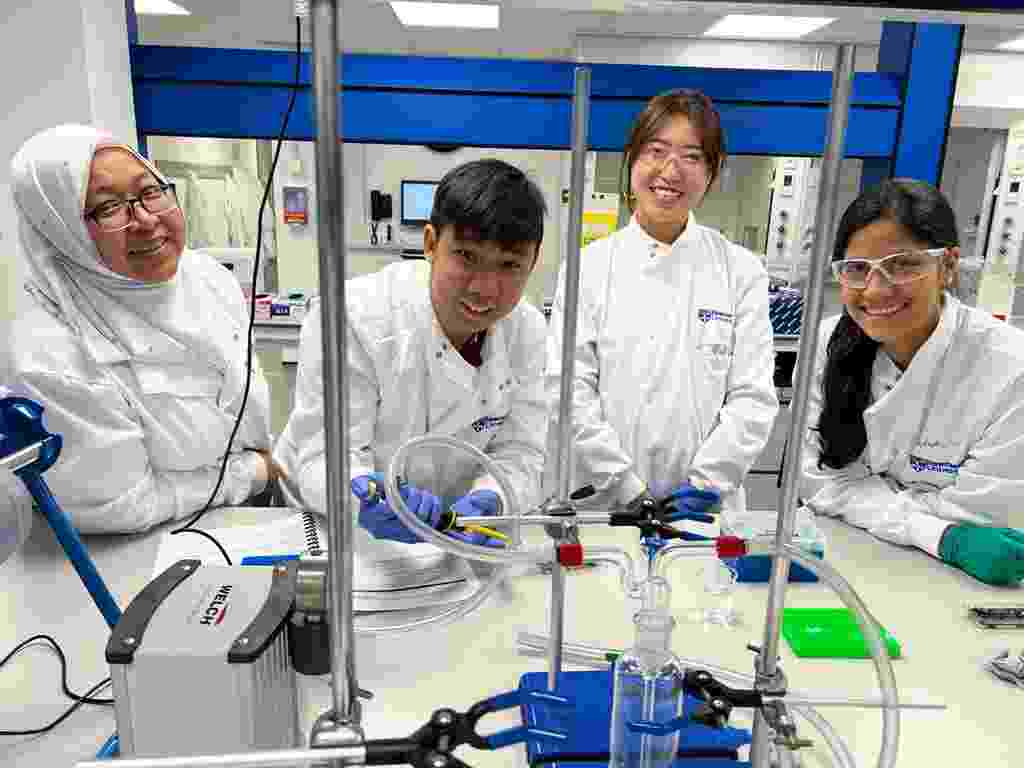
589,721
786,313
756,569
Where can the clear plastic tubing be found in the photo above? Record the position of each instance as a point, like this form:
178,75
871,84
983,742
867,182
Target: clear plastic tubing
464,608
868,626
513,554
872,635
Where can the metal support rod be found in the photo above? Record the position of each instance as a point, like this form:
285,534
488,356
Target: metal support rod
828,190
325,22
586,518
284,757
580,123
22,458
563,450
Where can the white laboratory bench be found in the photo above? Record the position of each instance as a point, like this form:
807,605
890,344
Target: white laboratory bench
921,601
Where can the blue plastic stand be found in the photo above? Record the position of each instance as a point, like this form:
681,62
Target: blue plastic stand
589,722
756,569
21,425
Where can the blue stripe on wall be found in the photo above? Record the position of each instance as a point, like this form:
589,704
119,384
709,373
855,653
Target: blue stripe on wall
431,74
429,100
394,117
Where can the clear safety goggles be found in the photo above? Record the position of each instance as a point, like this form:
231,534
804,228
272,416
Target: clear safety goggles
658,153
897,268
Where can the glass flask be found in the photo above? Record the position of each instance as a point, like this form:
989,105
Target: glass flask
648,686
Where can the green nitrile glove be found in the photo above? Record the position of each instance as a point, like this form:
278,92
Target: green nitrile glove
992,555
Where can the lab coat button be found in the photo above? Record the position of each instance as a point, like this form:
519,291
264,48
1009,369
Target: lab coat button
439,355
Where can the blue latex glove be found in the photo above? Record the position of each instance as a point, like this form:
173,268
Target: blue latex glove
477,504
688,502
992,555
376,515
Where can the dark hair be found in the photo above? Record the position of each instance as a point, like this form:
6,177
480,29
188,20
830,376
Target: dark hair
490,200
846,386
695,107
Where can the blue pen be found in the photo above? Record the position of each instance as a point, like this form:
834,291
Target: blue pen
267,559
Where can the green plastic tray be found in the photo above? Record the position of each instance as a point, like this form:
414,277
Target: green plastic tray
829,633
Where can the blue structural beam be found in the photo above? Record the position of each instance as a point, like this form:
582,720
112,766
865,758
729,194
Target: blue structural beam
926,59
493,103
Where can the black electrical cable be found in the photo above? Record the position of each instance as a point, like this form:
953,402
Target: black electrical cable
187,528
86,698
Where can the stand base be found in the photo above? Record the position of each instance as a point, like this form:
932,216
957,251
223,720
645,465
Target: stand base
589,721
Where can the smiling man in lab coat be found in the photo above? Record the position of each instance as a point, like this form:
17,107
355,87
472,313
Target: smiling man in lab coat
444,347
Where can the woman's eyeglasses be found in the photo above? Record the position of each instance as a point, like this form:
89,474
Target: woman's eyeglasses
115,215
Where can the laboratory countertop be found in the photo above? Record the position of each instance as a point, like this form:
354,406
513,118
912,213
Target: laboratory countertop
922,602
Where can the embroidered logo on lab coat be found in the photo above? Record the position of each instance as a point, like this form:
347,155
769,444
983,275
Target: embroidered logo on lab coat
707,315
927,465
488,422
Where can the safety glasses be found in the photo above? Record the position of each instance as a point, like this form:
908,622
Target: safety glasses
897,268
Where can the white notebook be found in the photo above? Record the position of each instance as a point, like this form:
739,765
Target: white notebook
387,575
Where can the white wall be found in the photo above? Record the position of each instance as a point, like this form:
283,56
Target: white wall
988,90
963,178
382,167
62,65
739,199
684,52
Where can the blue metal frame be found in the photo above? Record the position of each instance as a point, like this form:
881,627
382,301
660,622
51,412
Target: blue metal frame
926,59
494,103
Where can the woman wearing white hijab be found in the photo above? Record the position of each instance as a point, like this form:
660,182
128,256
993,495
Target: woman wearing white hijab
135,346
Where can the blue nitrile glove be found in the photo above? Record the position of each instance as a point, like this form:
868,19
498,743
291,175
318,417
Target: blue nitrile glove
477,504
992,555
687,502
376,515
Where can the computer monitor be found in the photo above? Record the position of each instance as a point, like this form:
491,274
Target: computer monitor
417,201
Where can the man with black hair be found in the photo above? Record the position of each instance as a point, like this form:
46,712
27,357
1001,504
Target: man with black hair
439,347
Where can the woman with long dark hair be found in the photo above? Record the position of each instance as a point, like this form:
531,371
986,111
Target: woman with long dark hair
916,421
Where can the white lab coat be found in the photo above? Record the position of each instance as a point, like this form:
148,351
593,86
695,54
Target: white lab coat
674,365
143,436
945,443
407,380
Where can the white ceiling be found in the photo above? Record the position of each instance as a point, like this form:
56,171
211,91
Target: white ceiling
530,28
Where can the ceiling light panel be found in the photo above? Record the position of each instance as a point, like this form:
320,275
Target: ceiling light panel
461,15
766,27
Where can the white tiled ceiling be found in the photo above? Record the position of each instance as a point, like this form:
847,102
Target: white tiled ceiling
529,28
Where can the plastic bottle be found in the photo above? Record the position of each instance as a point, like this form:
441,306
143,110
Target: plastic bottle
648,687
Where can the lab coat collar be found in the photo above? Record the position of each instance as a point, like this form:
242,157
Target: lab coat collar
634,230
445,357
901,428
932,351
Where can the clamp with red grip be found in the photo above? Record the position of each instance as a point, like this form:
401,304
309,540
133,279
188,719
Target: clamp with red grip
570,555
729,547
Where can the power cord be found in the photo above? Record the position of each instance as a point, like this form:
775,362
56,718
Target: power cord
187,528
86,698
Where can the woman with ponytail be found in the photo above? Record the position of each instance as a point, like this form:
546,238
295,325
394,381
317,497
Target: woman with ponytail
916,420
